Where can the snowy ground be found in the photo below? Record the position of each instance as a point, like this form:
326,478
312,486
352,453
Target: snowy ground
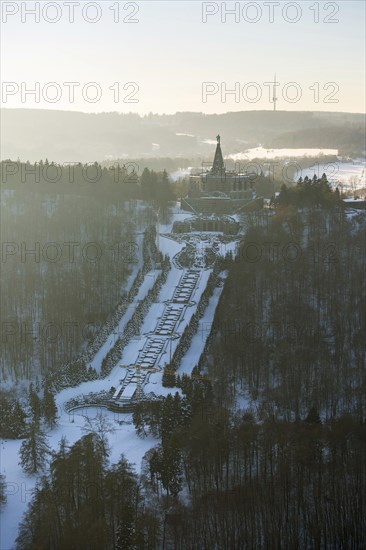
18,490
262,153
339,171
124,439
349,176
190,358
20,486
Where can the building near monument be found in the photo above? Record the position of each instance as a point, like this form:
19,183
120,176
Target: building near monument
217,190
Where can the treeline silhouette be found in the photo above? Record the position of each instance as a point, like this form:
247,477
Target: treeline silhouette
85,504
348,139
315,192
118,180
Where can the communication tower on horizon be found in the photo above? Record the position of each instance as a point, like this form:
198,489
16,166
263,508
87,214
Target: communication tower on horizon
274,94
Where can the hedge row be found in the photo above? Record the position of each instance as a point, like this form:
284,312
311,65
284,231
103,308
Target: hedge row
193,325
92,398
134,324
75,372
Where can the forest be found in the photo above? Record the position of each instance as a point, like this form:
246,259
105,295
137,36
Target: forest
68,233
264,444
183,290
217,480
290,322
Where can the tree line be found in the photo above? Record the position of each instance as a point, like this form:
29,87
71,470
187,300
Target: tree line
217,479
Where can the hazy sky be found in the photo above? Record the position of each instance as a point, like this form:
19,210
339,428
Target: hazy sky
170,52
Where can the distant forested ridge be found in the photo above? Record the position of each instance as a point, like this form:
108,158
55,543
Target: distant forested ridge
348,139
66,136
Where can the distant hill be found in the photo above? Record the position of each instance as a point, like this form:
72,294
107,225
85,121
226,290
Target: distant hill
67,136
349,139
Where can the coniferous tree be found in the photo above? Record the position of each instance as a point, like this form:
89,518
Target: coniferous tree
34,403
138,419
168,379
34,449
125,530
313,417
165,463
17,422
49,407
13,424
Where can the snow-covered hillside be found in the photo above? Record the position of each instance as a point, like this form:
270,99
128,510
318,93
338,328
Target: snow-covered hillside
165,324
